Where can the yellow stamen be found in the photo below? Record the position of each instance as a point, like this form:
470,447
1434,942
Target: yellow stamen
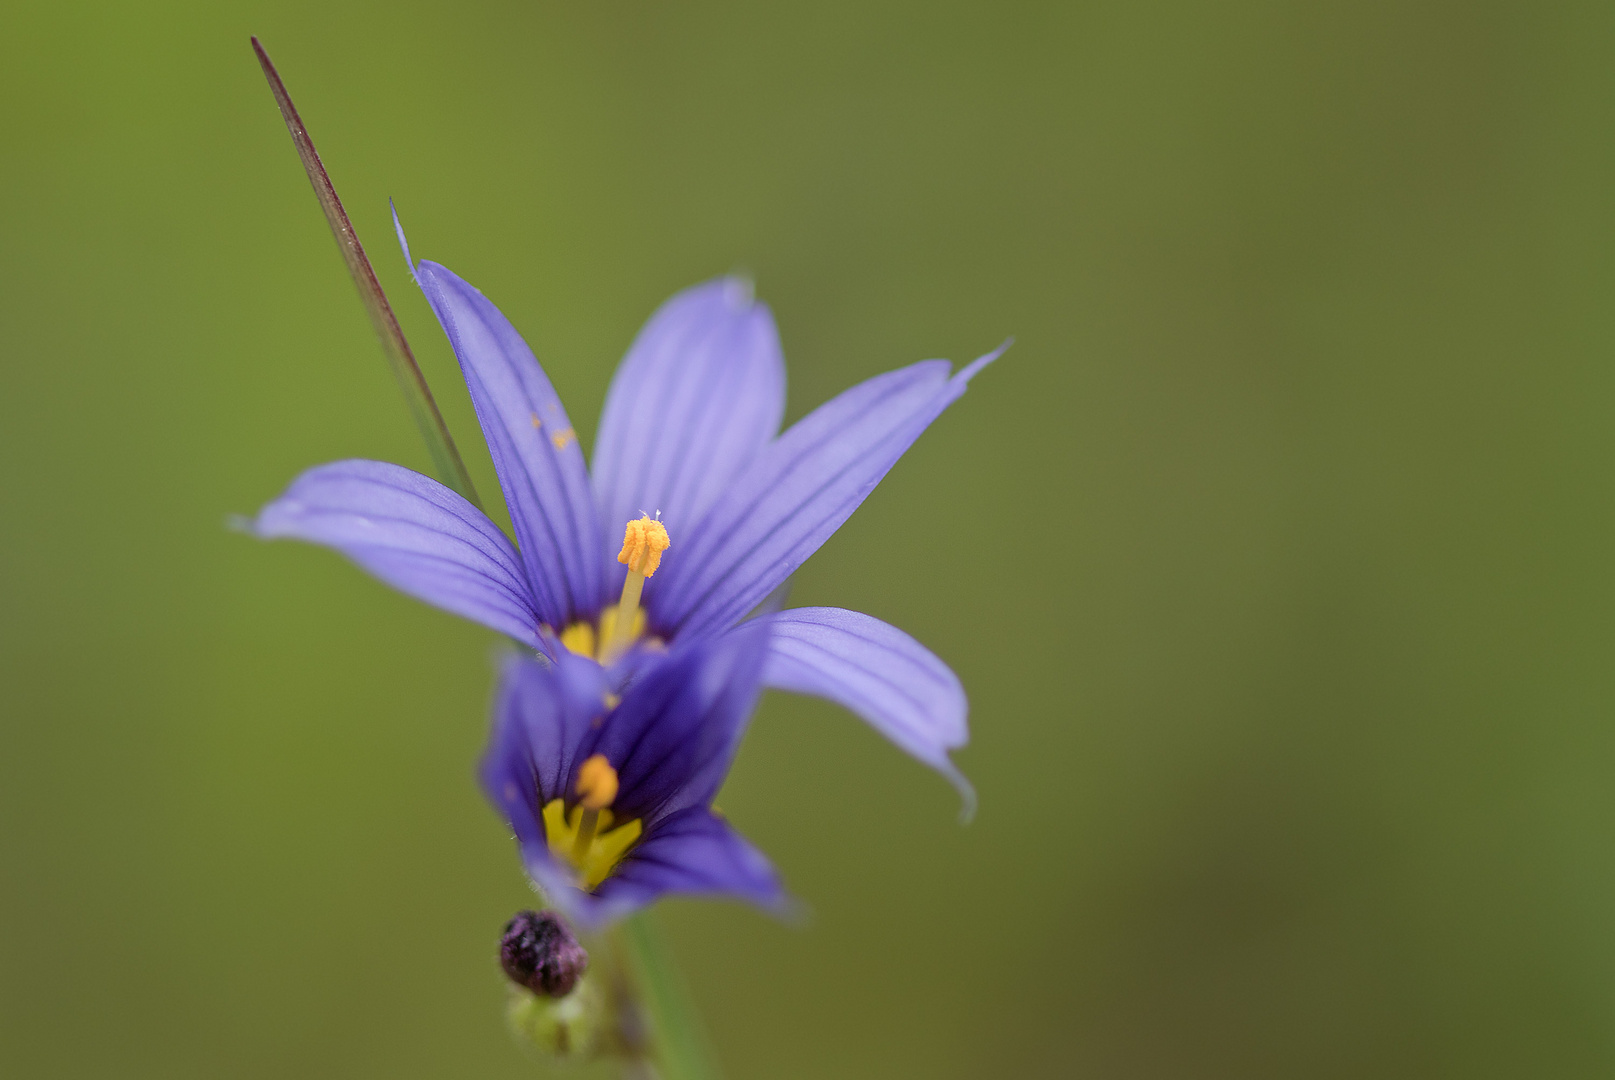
597,783
585,837
585,639
643,542
606,847
597,787
608,623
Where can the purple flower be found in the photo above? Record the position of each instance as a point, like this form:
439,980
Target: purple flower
611,799
689,431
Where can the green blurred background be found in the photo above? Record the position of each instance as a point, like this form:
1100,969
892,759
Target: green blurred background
1278,556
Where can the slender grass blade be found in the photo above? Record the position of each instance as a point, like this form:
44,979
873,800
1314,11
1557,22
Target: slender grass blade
445,456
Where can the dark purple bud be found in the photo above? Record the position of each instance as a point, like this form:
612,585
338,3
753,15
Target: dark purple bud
540,953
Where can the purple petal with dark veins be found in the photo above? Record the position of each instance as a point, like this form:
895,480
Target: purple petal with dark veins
796,495
413,533
877,671
676,731
512,772
699,394
671,739
534,448
692,853
540,718
542,715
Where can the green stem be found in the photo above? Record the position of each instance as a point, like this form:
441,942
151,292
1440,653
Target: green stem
439,443
677,1046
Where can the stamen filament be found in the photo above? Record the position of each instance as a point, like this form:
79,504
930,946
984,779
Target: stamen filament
643,542
580,846
622,628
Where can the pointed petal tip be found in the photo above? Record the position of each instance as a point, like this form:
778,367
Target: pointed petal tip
966,373
403,243
795,913
967,795
739,290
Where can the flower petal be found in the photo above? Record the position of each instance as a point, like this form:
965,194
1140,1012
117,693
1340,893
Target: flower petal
796,495
877,671
413,533
540,718
692,853
534,448
700,393
675,733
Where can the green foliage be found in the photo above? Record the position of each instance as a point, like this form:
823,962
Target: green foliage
1297,768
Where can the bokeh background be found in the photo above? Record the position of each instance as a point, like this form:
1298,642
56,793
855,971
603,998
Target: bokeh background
1278,556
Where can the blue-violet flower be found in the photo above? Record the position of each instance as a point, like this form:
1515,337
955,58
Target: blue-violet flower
690,431
611,799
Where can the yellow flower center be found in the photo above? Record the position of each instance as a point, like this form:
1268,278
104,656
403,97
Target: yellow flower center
585,640
585,839
605,847
622,623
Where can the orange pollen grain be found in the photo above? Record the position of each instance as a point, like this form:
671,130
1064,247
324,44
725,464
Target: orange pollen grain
642,545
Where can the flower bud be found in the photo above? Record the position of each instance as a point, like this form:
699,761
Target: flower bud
540,953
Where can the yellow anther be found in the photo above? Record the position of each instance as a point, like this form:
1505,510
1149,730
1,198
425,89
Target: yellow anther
597,783
642,545
643,542
563,438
